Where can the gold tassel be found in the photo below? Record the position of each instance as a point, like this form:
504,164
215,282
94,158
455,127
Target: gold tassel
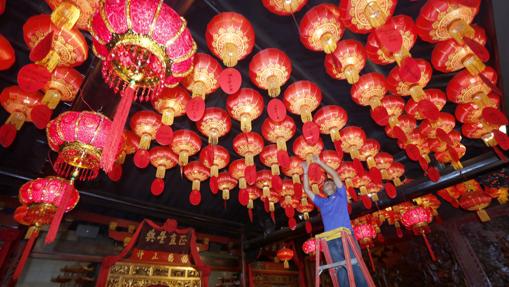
273,87
295,178
417,93
334,134
483,215
393,121
304,200
288,199
183,158
315,188
354,153
371,162
374,14
352,75
271,206
250,204
242,183
348,182
121,158
230,54
309,158
473,64
51,98
266,191
199,88
145,141
306,216
17,119
31,230
50,62
213,138
363,190
460,28
457,165
397,181
385,174
503,195
275,169
249,160
281,144
374,102
306,116
328,43
245,124
214,171
65,15
374,197
226,194
196,185
168,117
160,172
286,264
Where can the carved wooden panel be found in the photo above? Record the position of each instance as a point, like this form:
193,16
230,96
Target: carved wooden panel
127,274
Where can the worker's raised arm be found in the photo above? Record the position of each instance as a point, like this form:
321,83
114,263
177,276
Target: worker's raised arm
306,186
329,170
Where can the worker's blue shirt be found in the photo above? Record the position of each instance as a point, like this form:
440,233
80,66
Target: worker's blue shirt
334,210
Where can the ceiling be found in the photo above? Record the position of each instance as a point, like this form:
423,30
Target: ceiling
29,156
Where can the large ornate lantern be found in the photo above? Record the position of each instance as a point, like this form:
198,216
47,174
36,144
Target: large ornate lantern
417,219
44,201
245,106
248,145
361,16
185,143
331,119
202,81
279,133
226,183
19,105
215,123
285,254
284,7
230,37
163,159
379,50
196,173
346,62
214,157
171,103
269,69
320,28
79,138
237,171
145,125
398,80
440,20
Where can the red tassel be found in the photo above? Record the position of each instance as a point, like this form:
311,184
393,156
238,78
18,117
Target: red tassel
289,212
110,150
339,150
366,201
390,190
57,218
399,232
502,139
353,194
380,116
273,217
26,253
297,189
431,253
157,187
309,227
250,213
292,223
490,84
499,153
214,188
40,115
277,183
371,260
7,135
116,173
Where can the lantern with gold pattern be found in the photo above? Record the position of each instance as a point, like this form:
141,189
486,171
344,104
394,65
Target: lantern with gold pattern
362,16
270,69
185,143
163,159
346,62
320,28
214,124
226,183
196,173
245,106
214,157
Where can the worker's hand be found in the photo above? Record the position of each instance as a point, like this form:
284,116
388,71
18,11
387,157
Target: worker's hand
305,166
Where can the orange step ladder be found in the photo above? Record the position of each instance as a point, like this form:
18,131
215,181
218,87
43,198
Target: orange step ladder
348,242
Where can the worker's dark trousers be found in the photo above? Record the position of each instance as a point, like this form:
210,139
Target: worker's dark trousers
337,254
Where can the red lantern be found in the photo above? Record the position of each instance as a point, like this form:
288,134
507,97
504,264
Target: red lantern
287,193
270,69
295,170
361,16
417,218
214,124
474,199
452,156
285,254
185,143
86,10
320,28
245,106
305,207
268,157
248,145
230,37
44,201
279,133
397,83
365,234
171,103
331,119
305,151
162,158
470,113
347,173
196,173
450,56
145,125
352,139
368,152
264,182
346,62
214,157
465,88
19,105
226,183
53,46
445,122
284,7
130,147
369,91
79,138
309,246
252,194
440,20
402,129
421,111
7,55
302,98
394,107
331,158
394,173
237,171
377,50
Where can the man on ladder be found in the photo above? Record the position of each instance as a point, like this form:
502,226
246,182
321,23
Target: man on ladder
336,222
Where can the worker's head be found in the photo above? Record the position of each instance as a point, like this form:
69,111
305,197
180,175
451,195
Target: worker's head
329,187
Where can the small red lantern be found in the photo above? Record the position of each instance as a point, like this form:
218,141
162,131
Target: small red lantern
230,37
279,133
394,172
368,152
162,158
284,7
331,119
346,62
130,147
369,91
417,219
171,103
394,107
421,111
470,113
440,20
331,158
270,69
248,145
309,246
361,16
214,157
237,171
268,157
365,234
295,170
306,151
321,29
352,139
465,88
404,127
453,156
302,98
145,125
305,207
474,199
252,194
196,173
264,182
245,106
7,55
214,124
348,173
19,105
285,254
398,84
377,50
79,138
185,143
226,183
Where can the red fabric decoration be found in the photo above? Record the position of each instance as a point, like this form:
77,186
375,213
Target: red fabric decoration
157,186
276,110
7,135
116,173
33,77
164,135
230,81
390,190
195,109
141,158
366,201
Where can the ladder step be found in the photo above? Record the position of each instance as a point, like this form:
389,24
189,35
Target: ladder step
337,264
